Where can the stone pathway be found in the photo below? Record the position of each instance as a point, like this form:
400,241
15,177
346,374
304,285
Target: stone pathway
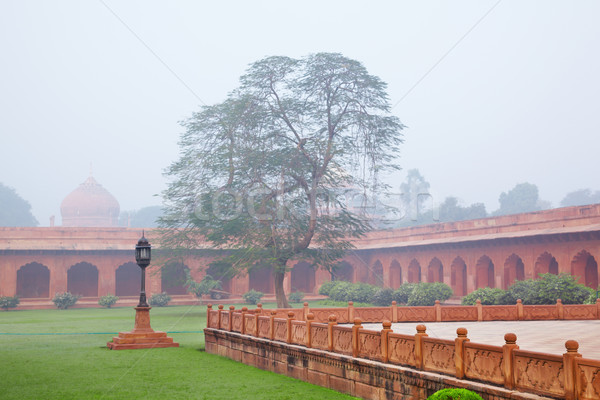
540,336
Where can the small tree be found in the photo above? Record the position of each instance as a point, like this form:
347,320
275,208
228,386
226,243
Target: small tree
65,300
205,286
7,302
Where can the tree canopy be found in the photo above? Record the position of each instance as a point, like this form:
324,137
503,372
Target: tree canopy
263,173
524,197
580,197
14,210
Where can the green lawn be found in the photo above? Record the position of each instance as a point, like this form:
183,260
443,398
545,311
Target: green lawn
62,354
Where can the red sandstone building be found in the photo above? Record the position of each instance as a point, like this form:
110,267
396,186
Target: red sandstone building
92,257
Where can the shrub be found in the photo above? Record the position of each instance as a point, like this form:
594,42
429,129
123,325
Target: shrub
562,286
426,293
524,290
296,297
454,394
383,297
326,287
7,302
488,296
108,301
403,292
204,286
253,296
159,299
361,292
339,291
64,300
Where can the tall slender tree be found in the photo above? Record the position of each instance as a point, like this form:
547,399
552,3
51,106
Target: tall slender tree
263,173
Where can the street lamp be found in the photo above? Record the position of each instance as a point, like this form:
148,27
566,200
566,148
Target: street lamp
143,256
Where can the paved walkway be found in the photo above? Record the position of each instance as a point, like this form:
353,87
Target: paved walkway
540,336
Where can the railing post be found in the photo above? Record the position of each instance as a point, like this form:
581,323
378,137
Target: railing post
560,309
309,320
272,325
290,318
230,324
256,315
459,352
306,311
419,345
350,311
385,354
569,368
208,310
479,310
598,308
520,313
220,312
438,311
330,324
355,343
394,311
507,355
243,328
259,309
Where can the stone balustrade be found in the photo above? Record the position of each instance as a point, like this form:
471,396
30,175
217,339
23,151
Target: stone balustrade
568,376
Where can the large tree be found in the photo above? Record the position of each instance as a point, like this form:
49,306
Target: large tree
524,197
263,173
14,210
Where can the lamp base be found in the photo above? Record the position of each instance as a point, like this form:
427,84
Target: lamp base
142,336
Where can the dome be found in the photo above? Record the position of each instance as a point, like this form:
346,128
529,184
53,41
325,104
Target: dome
90,205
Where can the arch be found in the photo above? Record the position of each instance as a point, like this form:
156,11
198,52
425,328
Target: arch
545,263
458,276
173,277
376,274
303,277
414,271
514,270
82,279
128,278
395,275
221,271
435,271
344,272
33,281
260,278
585,267
484,273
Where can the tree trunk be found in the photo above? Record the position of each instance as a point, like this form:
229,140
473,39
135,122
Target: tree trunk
278,276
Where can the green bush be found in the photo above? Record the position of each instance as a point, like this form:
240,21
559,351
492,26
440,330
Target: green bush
361,292
204,286
562,286
454,394
326,287
426,293
108,301
403,292
340,291
7,302
64,300
524,290
252,296
383,297
159,299
488,296
296,297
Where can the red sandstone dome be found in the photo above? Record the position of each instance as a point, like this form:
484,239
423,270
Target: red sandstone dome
90,205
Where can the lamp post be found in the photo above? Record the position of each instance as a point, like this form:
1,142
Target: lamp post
142,336
143,251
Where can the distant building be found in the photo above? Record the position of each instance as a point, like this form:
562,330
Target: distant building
90,205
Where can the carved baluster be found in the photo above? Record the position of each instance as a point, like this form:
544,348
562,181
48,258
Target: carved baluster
507,356
394,311
230,325
438,311
208,310
355,342
560,310
419,345
569,368
479,310
459,351
330,324
306,311
220,311
520,314
272,325
350,311
385,332
243,328
309,320
290,318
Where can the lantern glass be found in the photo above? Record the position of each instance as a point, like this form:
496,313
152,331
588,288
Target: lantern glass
143,252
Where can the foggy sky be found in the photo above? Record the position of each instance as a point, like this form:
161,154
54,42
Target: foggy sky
493,93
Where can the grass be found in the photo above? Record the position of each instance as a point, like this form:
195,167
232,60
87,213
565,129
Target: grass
62,354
